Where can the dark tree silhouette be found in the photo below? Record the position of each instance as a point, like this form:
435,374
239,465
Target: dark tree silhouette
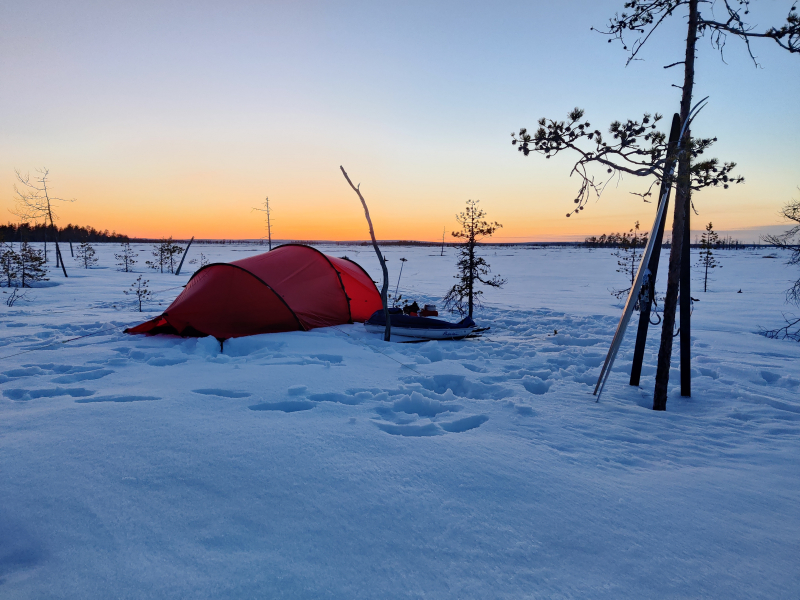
30,262
34,201
139,290
637,148
472,269
85,255
126,258
708,241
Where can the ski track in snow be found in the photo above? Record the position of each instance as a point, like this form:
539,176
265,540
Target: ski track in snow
332,464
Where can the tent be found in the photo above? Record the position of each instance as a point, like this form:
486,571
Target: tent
291,288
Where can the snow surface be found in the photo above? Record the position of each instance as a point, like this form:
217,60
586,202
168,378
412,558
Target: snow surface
329,464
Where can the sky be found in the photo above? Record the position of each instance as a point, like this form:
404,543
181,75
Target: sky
177,118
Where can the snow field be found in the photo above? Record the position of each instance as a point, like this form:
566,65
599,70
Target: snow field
331,464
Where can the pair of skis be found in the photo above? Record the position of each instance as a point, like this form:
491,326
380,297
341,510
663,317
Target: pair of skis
643,270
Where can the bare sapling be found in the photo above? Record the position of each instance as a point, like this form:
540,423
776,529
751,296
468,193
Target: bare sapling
629,253
267,216
139,290
387,334
86,255
34,201
126,258
15,296
789,241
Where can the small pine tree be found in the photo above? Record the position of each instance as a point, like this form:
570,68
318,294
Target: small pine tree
708,241
629,253
126,258
85,255
173,251
9,263
472,269
31,265
165,254
139,289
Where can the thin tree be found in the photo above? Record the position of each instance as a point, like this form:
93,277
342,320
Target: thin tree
472,269
790,241
86,255
628,153
267,213
139,290
172,251
34,201
628,252
387,334
708,241
9,263
126,258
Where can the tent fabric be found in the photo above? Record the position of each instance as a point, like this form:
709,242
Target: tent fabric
293,287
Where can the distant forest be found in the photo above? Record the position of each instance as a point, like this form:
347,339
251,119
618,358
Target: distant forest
38,232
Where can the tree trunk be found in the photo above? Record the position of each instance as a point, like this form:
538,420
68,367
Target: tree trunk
471,280
387,333
686,303
681,196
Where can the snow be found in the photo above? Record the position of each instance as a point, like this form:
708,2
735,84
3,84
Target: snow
330,464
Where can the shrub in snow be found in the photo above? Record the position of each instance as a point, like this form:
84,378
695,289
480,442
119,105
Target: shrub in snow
30,264
139,289
85,255
9,263
126,258
165,255
629,252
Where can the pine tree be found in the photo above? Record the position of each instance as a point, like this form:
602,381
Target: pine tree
139,289
85,255
172,251
126,258
708,240
165,254
9,263
31,265
472,269
159,259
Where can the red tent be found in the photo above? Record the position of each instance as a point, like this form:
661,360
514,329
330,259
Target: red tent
291,288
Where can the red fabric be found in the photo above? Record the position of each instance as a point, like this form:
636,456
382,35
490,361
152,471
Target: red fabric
304,278
364,298
289,288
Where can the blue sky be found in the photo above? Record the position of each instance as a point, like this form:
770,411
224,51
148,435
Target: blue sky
177,118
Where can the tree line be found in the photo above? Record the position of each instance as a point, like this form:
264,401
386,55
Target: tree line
40,232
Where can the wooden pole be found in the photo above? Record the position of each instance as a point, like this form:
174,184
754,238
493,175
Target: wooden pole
644,312
387,334
686,306
189,245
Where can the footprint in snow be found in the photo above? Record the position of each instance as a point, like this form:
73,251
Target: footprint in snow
287,406
222,393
